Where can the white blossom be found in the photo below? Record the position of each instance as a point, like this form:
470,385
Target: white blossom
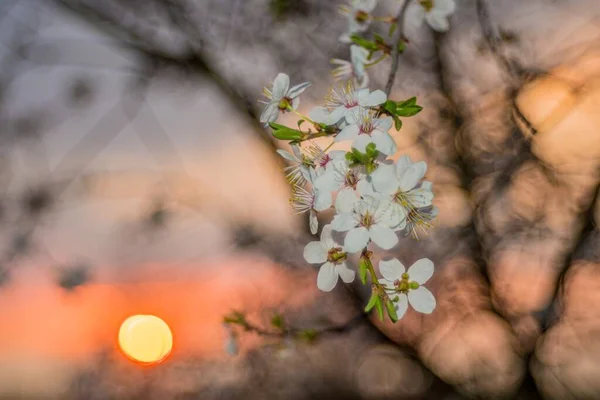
401,181
355,69
339,176
312,201
346,103
358,13
436,12
332,256
406,287
299,170
281,97
365,220
367,129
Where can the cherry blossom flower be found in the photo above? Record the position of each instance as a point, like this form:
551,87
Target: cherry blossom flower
339,176
312,201
435,12
405,287
332,256
401,181
359,17
299,172
365,220
281,98
354,69
346,103
367,129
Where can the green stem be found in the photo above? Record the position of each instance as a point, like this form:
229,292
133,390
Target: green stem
383,57
301,115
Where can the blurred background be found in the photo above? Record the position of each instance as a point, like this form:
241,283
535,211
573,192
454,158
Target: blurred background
136,179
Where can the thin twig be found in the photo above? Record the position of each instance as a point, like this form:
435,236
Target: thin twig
285,332
398,36
492,39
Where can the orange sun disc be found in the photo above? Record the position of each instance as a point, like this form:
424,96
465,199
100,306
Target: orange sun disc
146,339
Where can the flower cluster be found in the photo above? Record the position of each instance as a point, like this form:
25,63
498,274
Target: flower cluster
374,198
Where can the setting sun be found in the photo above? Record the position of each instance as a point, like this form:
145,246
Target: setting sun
146,339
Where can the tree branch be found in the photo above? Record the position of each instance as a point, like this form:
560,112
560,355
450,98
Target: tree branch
398,37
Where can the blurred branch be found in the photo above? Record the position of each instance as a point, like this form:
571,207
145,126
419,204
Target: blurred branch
191,60
493,39
398,37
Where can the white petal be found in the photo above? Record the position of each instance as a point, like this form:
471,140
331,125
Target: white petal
422,300
420,197
374,99
391,269
402,164
298,89
328,181
313,222
356,239
438,21
323,199
288,156
384,143
322,115
421,271
280,86
394,217
345,37
384,124
345,200
427,185
327,277
315,253
295,103
412,175
384,179
343,222
350,132
383,236
361,142
365,188
415,15
352,114
445,6
318,114
270,113
401,305
368,5
345,273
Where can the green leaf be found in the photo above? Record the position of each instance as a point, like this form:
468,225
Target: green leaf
408,111
309,335
370,149
406,103
282,132
277,321
390,106
391,311
379,308
397,122
408,108
372,302
401,46
363,266
364,43
300,123
392,29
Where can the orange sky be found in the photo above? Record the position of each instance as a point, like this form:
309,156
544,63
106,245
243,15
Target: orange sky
41,320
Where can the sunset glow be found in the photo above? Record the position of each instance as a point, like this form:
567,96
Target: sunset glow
146,339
